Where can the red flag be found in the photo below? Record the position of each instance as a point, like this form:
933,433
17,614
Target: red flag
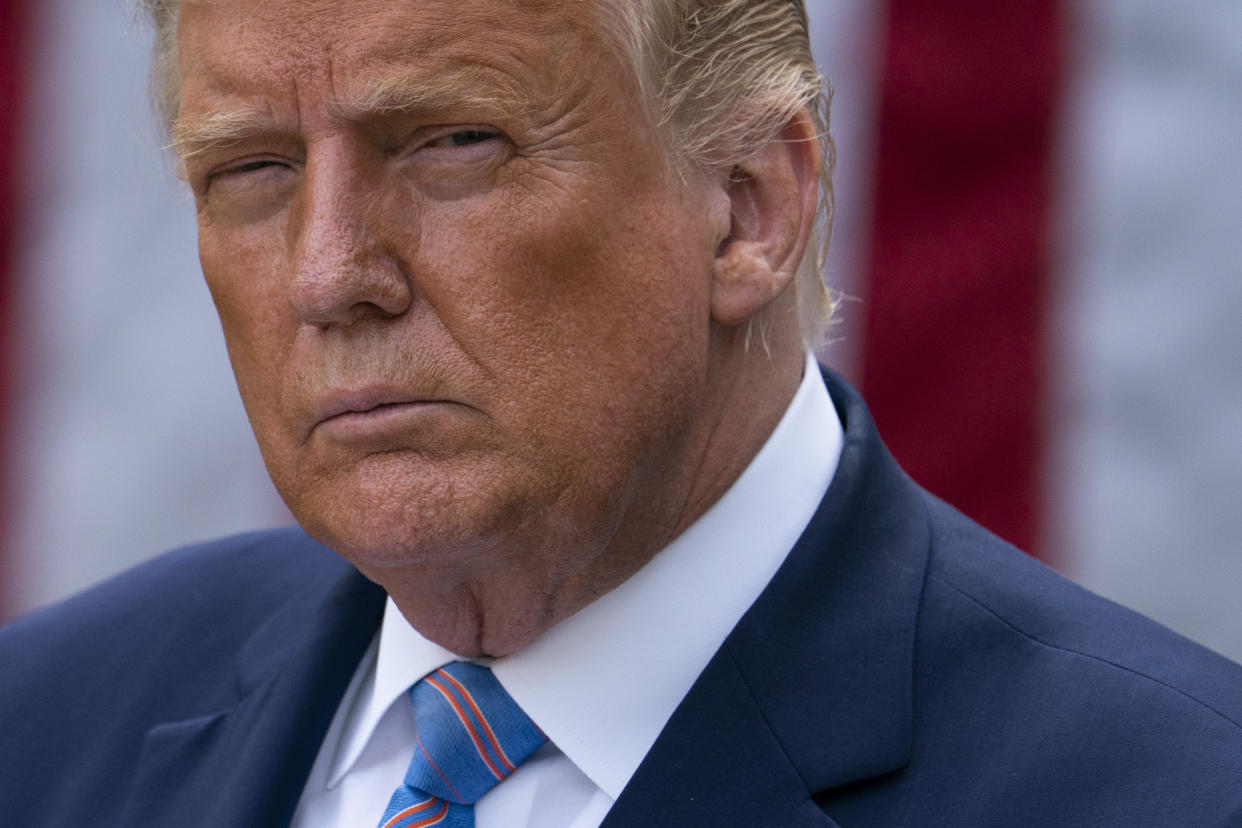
12,96
953,354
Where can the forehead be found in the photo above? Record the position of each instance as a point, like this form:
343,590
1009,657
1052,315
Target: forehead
304,47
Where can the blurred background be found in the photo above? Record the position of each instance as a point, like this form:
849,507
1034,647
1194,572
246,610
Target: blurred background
1038,241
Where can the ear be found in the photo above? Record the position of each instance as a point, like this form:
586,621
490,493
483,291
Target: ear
772,195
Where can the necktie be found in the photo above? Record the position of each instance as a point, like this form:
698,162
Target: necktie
471,735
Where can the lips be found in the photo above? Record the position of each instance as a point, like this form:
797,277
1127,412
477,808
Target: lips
384,418
363,402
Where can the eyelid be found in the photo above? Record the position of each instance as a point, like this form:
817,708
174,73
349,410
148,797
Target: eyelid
233,176
431,135
244,166
481,134
241,164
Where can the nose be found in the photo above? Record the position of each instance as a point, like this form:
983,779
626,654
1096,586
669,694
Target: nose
342,270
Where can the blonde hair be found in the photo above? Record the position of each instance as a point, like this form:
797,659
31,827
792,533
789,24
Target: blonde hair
719,78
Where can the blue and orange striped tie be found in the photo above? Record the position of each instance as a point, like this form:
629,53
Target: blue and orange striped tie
471,735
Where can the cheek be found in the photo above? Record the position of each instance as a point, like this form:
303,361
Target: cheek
592,317
242,272
556,273
623,292
239,266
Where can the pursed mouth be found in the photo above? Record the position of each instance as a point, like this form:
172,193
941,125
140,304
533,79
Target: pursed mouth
375,409
363,419
365,401
363,406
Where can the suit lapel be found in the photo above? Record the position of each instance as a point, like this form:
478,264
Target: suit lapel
717,763
246,766
813,688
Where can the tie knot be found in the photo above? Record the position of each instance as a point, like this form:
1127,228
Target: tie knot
471,733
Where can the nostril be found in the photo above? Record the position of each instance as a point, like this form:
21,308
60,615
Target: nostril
344,294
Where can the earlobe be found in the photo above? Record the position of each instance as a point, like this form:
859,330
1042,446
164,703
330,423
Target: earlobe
772,196
744,286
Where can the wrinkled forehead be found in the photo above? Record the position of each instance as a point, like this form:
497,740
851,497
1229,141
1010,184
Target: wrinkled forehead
230,45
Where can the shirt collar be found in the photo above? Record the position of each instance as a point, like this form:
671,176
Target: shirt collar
402,658
603,683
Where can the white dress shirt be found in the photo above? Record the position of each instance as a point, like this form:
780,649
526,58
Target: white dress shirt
602,683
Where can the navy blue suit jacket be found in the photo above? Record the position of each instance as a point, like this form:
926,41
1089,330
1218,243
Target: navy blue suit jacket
903,668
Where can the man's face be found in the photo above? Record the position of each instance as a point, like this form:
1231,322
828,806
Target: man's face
466,305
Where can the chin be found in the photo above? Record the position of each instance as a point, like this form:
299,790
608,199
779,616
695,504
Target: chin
398,523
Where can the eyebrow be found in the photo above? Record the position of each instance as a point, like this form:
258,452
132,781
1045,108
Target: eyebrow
218,129
484,93
472,87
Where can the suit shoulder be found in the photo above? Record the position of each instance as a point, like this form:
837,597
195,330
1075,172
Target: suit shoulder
215,591
179,639
1078,643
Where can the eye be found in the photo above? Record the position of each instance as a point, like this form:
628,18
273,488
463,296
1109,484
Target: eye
245,167
454,160
464,138
248,184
